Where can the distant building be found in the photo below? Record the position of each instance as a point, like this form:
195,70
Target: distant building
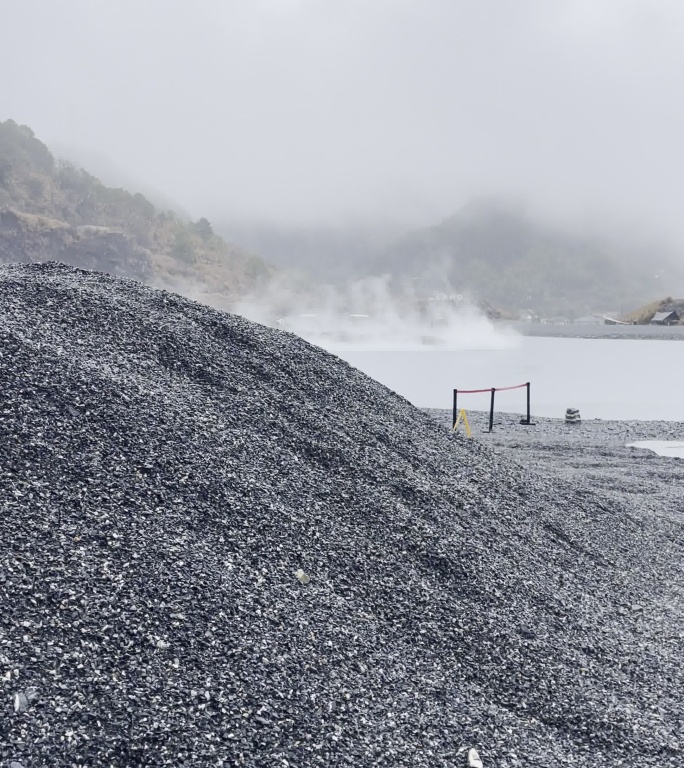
556,321
587,320
665,318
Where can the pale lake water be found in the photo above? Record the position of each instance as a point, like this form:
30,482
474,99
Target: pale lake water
603,378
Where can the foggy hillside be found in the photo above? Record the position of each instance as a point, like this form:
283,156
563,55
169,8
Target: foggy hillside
327,254
498,253
53,210
307,114
491,252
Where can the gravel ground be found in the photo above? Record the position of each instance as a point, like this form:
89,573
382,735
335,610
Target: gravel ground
221,546
592,454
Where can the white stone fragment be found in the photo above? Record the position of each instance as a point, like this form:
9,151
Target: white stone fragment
21,702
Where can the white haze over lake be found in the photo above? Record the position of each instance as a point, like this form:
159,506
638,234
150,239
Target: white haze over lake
367,315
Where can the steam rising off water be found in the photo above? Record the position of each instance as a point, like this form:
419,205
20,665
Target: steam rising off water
368,316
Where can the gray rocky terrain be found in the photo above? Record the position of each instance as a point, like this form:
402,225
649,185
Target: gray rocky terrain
595,454
28,238
222,546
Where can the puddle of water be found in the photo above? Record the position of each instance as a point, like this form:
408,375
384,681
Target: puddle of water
661,447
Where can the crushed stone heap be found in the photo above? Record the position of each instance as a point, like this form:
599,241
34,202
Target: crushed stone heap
221,546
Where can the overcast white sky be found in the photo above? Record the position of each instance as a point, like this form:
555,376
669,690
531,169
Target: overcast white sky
310,110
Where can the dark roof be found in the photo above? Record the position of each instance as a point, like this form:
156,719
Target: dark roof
659,317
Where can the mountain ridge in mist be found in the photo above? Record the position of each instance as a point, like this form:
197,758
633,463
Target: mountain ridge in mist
494,251
499,253
327,253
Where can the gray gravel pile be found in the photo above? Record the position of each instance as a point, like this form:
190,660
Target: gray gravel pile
222,546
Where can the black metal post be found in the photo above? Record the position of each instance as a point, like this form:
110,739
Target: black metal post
491,411
528,420
455,416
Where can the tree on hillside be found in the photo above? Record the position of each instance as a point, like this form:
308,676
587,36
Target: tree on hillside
19,147
183,247
202,227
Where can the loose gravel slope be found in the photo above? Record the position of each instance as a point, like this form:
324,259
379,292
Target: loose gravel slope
220,545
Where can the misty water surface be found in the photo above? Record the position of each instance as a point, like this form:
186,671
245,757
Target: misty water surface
604,378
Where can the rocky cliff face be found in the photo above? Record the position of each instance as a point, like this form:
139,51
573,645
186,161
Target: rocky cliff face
27,238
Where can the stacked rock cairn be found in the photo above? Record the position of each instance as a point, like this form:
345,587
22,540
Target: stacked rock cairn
572,416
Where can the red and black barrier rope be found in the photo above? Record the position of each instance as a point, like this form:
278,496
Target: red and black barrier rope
493,390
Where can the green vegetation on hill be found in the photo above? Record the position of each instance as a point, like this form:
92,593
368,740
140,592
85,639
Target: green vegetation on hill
52,210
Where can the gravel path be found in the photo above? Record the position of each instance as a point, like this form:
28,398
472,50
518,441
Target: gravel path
222,546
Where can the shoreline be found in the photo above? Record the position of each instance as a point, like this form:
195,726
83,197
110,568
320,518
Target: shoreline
597,331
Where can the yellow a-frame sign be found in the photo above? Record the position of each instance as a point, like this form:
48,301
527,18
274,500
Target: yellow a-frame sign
462,417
